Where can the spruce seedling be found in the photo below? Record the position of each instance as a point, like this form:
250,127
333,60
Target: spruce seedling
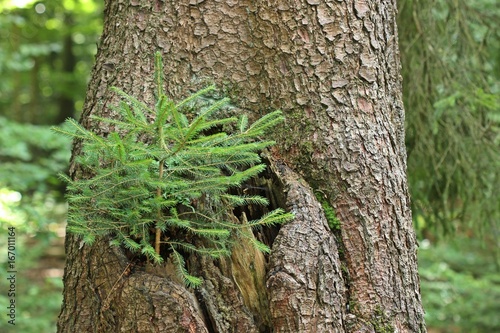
167,181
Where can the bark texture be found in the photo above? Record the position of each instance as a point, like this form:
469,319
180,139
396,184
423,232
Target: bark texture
305,284
333,68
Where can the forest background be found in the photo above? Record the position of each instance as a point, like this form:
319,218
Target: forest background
450,52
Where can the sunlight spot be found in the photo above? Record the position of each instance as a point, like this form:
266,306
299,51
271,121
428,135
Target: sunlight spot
40,8
8,200
79,38
9,196
19,3
425,244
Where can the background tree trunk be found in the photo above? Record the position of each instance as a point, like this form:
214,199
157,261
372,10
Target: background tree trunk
333,68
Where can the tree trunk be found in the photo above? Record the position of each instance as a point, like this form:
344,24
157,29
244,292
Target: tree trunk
333,68
66,103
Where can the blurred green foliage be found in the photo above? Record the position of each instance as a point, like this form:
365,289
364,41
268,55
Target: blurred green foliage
46,52
30,156
32,202
37,302
451,67
45,57
460,285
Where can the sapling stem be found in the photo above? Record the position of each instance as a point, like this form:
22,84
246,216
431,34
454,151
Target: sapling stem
158,230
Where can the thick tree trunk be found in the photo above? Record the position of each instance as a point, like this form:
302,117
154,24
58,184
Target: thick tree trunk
333,68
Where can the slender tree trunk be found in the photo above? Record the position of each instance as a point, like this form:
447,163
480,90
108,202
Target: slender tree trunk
333,68
66,103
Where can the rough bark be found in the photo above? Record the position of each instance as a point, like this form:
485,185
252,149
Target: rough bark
305,284
333,68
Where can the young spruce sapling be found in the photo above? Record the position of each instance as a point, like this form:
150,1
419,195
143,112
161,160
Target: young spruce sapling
147,175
